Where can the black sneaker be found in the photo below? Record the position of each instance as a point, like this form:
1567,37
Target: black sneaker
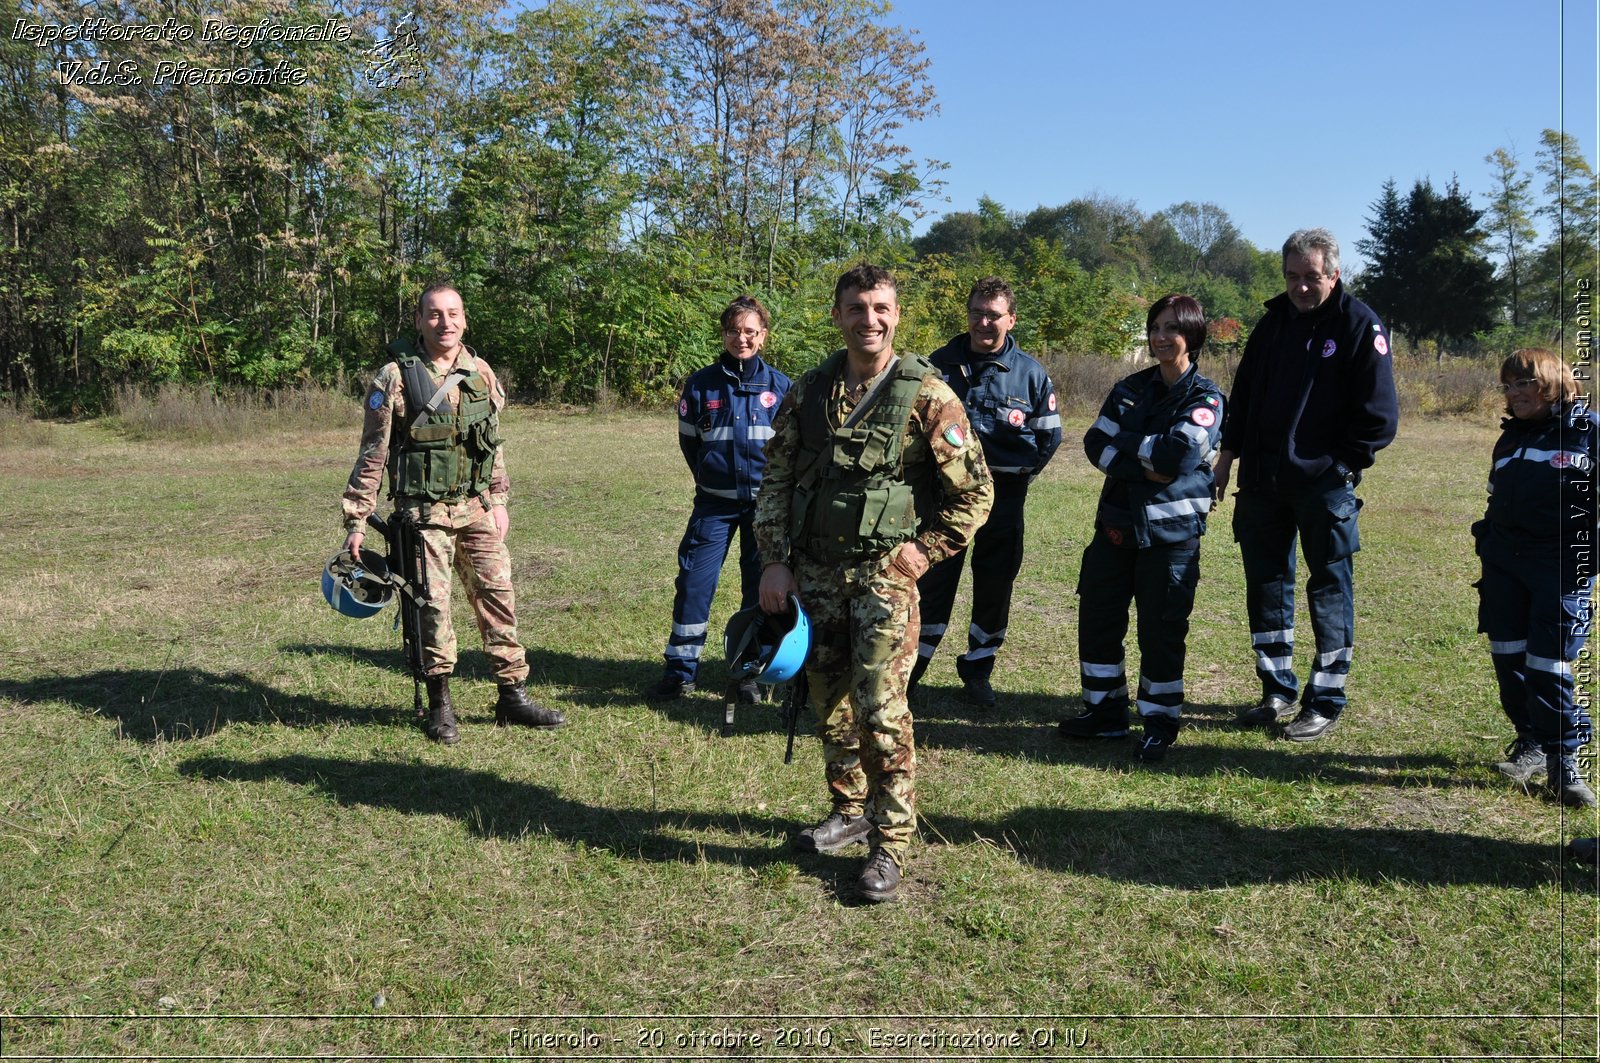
975,682
1566,783
978,691
1096,723
834,833
1525,761
1264,713
749,692
1309,726
1160,732
880,877
1584,850
669,688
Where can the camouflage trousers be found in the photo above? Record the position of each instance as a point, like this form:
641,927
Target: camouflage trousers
864,622
479,556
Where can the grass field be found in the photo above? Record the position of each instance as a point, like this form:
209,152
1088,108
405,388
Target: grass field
220,836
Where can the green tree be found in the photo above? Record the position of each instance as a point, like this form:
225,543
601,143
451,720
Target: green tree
1510,226
1571,208
1427,274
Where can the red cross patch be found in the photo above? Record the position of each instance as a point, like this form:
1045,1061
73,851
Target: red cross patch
1203,416
768,400
1016,417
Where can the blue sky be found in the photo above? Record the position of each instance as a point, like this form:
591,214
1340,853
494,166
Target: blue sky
1285,115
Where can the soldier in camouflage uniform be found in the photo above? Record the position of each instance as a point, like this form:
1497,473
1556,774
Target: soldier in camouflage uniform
873,473
447,472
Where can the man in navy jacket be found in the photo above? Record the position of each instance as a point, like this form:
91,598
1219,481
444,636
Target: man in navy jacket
1011,404
1313,402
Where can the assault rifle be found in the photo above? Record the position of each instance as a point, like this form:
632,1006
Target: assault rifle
408,571
799,693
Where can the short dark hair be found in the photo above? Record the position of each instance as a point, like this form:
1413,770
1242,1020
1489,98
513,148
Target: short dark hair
439,286
986,288
864,278
1557,382
745,304
1191,320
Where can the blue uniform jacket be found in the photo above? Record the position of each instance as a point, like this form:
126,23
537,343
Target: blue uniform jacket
1010,402
1169,430
1542,485
1312,390
724,422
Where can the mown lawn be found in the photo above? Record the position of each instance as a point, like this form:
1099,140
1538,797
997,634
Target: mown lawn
220,836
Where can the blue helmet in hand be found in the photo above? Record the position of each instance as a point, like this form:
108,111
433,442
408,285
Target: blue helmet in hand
768,647
357,587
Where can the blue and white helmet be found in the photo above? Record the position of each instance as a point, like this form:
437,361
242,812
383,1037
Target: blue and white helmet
766,647
357,588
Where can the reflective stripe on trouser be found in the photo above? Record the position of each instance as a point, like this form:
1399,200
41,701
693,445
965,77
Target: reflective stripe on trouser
1159,581
864,621
996,559
1323,518
700,558
479,556
1536,628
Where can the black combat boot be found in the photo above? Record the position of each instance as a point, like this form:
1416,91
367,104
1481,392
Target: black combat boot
441,722
515,707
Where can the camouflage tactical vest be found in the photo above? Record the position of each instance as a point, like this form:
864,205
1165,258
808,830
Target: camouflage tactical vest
449,455
853,499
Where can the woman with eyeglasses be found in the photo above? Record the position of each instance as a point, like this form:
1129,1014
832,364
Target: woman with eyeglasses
724,421
1154,439
1537,543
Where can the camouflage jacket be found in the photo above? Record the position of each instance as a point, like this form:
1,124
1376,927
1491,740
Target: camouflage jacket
385,403
938,440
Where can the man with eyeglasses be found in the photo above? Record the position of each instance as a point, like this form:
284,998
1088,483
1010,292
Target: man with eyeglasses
1011,404
1313,402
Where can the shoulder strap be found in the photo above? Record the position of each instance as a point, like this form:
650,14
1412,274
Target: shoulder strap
418,383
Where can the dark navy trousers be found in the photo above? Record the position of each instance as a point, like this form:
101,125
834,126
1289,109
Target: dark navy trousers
1160,581
701,554
1322,515
996,559
1537,623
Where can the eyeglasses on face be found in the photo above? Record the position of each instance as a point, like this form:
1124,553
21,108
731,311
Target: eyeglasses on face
1524,384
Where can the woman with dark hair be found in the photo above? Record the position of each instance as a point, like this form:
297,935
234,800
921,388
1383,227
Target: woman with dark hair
1154,440
724,421
1536,542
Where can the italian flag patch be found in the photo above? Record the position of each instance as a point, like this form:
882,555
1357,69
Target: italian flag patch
953,436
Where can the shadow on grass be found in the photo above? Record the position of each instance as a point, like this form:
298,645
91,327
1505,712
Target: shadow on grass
1180,850
492,806
592,682
184,703
1025,727
1203,851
